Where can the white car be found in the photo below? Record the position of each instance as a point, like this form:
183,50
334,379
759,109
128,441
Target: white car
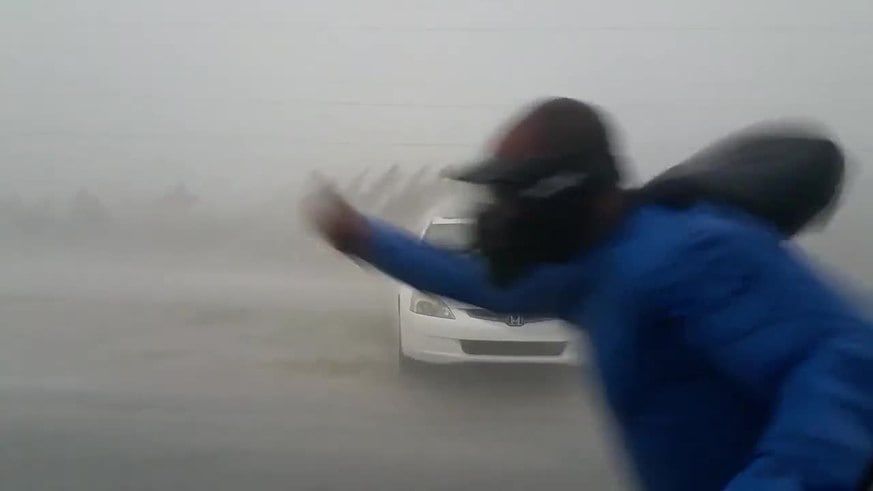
438,330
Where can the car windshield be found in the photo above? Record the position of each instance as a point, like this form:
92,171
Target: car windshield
455,236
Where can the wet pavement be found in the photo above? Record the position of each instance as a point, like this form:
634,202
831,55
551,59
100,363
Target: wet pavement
172,381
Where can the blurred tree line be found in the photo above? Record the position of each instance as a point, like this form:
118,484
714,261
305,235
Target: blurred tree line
178,221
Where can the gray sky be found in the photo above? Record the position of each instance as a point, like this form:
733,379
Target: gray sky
240,98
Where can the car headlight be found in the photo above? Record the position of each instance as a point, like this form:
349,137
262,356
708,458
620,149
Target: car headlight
431,306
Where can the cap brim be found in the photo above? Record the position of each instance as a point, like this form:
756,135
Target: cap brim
492,171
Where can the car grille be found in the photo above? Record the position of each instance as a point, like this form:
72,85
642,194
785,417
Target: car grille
508,319
513,348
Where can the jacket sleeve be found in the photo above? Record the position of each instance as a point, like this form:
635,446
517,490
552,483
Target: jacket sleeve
459,276
766,321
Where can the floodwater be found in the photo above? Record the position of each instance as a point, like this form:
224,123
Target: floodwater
154,376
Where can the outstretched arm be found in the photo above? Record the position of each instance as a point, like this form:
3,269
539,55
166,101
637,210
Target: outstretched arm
459,276
431,269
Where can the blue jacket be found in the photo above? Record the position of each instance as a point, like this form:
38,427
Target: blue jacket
727,361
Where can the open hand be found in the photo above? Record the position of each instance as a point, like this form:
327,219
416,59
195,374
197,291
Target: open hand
332,217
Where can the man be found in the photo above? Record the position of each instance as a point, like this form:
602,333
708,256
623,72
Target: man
728,363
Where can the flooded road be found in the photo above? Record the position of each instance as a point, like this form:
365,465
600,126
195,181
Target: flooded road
156,378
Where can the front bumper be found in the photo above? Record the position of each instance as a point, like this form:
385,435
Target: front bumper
466,340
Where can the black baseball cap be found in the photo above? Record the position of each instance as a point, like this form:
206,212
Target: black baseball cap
555,136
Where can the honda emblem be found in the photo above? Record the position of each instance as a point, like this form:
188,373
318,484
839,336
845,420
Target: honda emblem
515,320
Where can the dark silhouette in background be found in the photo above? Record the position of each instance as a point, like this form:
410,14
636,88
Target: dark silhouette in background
178,221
